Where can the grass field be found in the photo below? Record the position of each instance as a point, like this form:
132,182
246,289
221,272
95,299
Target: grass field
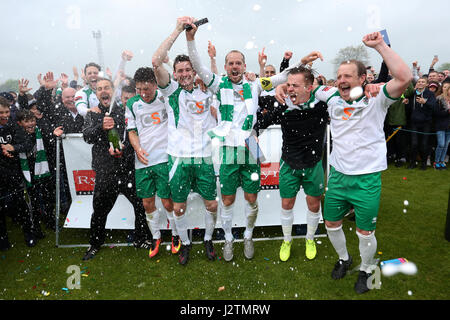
127,273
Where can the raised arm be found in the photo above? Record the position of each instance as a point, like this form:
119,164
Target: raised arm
401,74
282,76
262,59
162,75
204,73
212,56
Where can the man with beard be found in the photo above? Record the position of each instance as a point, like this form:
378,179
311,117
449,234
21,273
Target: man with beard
114,169
238,105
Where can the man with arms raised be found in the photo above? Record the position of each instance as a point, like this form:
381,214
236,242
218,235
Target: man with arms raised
238,105
359,154
189,146
86,98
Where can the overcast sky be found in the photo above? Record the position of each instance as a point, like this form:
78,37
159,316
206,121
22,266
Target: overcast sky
48,35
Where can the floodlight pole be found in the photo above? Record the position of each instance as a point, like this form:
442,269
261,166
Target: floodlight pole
98,38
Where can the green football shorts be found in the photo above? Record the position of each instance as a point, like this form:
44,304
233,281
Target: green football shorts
312,180
360,191
192,174
239,169
153,180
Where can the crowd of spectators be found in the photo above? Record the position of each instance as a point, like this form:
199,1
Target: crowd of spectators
417,131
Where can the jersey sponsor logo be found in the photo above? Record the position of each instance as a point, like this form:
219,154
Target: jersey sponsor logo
348,112
341,112
239,95
154,118
198,107
84,181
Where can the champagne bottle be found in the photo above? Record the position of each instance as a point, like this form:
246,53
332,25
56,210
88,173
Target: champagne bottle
113,138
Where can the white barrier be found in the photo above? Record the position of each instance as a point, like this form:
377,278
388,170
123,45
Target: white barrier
82,179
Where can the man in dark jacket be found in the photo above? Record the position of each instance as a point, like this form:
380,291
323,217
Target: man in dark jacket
64,118
114,170
420,113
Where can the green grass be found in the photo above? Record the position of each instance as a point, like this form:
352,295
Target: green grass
127,273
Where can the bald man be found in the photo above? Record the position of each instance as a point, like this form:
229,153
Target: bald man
67,118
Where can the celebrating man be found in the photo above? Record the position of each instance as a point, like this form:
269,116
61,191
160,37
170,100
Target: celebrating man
238,105
359,154
189,146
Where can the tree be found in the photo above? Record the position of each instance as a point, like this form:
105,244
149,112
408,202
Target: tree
351,53
10,85
444,66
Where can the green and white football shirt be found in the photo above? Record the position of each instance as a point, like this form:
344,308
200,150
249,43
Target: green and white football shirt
149,120
359,145
85,99
190,119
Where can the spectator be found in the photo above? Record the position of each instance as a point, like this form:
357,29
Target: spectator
37,174
441,77
433,76
64,118
435,87
442,125
12,201
419,112
446,73
370,77
396,117
12,104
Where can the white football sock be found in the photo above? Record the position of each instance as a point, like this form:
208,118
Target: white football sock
337,239
153,223
367,249
251,213
312,221
227,217
181,223
210,224
287,219
172,225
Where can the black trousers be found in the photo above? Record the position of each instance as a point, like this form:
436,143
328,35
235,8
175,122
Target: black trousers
108,186
43,200
420,142
397,145
12,203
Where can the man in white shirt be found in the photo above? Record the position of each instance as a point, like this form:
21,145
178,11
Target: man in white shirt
147,129
359,154
189,146
238,105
